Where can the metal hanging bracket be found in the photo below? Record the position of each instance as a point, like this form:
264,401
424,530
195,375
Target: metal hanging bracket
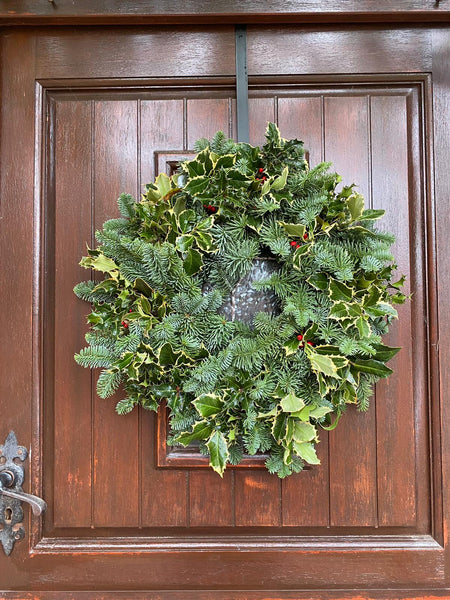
242,84
12,495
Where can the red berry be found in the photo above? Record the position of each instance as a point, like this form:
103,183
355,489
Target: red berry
131,310
300,337
297,245
205,206
293,243
310,343
125,324
305,236
261,170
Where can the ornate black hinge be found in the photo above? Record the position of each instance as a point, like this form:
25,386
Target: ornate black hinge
12,495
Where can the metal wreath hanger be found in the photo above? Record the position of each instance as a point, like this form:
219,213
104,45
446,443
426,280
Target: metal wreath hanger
241,84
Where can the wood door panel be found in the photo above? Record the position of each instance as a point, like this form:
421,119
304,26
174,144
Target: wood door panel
360,483
371,516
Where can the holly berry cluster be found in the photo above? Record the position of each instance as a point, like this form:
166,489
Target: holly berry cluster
261,175
300,339
210,209
295,244
125,323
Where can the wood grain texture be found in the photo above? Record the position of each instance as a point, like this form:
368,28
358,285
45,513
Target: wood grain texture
162,128
257,499
262,110
301,118
439,265
72,384
161,52
196,11
116,439
284,51
353,444
211,499
395,396
204,117
369,594
20,381
164,499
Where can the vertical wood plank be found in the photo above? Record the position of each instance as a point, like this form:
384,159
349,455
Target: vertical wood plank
205,117
116,469
305,495
261,111
211,499
257,499
72,383
353,499
346,123
162,128
164,492
301,118
395,396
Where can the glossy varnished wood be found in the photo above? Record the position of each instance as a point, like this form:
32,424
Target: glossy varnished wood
70,210
186,517
195,11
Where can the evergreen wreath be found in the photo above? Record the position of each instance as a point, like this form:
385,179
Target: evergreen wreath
160,327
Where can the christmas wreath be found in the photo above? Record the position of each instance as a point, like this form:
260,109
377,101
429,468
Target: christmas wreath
243,224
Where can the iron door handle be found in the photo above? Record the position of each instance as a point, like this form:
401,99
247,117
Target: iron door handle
12,494
38,505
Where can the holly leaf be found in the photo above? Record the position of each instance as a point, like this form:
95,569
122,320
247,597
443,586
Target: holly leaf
166,355
184,242
307,451
293,229
197,185
363,327
226,161
372,366
384,353
185,219
208,404
194,168
193,262
279,426
291,403
218,452
356,206
200,431
304,432
320,411
340,291
99,263
322,364
371,214
291,346
279,182
318,281
381,309
162,182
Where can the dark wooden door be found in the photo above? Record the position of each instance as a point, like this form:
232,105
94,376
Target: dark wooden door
89,113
